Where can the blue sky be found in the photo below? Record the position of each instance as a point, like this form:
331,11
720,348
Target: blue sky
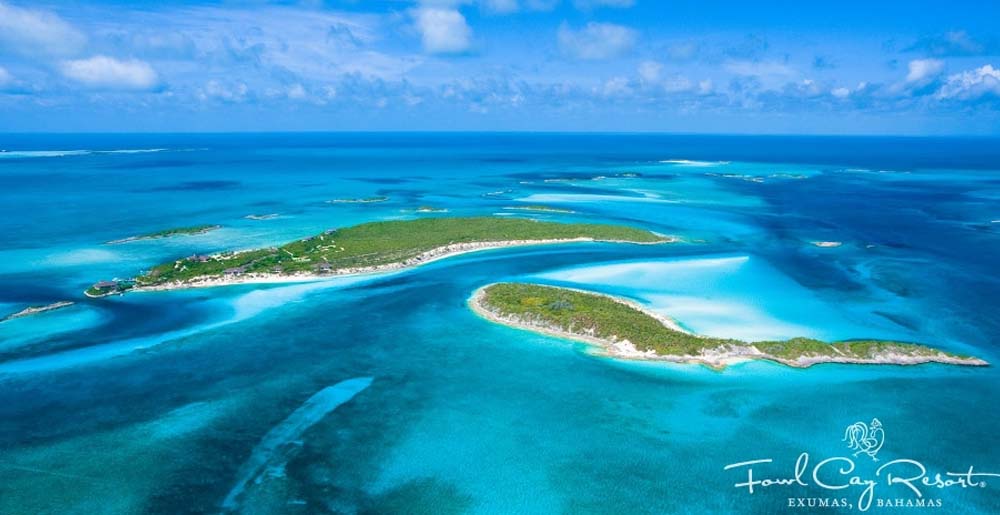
906,67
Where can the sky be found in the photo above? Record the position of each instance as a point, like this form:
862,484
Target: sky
847,67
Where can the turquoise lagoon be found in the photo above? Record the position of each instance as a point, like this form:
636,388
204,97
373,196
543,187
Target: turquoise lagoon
167,402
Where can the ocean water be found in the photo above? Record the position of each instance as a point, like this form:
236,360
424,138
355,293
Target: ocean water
256,398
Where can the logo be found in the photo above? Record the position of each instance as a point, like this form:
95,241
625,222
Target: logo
841,482
866,439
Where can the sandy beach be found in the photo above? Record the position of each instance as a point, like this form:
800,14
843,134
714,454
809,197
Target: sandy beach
429,256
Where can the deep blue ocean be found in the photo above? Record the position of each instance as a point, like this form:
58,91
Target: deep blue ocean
174,402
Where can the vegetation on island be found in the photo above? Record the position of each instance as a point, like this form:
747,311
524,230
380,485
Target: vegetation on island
105,288
167,233
602,317
374,244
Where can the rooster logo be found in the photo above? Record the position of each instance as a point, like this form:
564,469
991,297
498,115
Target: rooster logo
864,438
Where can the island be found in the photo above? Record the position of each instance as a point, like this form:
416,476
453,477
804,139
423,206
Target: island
367,248
540,208
34,310
625,329
431,209
167,233
365,200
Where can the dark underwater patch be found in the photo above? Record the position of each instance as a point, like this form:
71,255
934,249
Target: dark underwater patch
199,186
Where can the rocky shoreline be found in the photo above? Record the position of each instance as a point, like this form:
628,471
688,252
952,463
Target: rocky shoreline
34,310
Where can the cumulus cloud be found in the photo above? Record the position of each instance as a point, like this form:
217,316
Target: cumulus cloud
596,40
36,32
972,84
107,72
442,30
920,70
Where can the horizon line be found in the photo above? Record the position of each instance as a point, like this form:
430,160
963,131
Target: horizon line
515,132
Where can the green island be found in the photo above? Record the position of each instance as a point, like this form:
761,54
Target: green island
364,200
167,233
625,329
370,247
540,208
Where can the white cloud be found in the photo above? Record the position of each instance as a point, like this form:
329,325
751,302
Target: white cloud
840,92
297,92
442,30
970,84
215,90
705,87
35,32
5,77
649,71
596,40
616,87
923,69
807,88
107,72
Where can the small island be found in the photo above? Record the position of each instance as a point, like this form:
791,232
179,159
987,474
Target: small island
540,209
364,200
168,233
498,193
34,310
625,329
367,248
431,209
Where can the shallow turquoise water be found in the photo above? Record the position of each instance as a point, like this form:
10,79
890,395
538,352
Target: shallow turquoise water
153,402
